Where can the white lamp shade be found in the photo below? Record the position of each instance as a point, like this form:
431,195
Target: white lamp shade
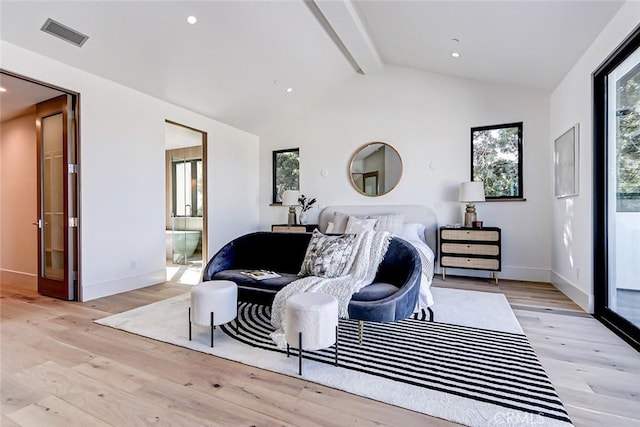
290,198
472,191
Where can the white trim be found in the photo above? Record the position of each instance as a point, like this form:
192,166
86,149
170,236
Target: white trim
577,295
527,274
112,287
19,279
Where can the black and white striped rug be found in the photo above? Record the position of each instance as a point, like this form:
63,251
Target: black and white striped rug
489,366
472,375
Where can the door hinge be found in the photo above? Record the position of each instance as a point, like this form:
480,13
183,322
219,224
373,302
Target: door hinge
72,168
73,222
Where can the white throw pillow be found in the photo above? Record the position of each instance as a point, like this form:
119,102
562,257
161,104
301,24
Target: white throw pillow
340,222
330,228
413,231
389,222
357,225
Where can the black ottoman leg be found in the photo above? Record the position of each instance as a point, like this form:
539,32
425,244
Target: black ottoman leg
299,353
212,327
336,358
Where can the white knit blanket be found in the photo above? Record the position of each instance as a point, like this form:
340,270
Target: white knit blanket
371,246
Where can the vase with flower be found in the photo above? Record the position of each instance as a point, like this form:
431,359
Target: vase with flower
305,204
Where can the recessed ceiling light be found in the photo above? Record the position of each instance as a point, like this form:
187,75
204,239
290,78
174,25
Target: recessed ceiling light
2,89
192,19
455,54
289,89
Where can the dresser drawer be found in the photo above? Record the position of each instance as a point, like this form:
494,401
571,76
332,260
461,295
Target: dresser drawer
473,263
483,235
289,229
470,249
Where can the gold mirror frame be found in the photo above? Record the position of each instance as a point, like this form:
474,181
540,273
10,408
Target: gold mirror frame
374,179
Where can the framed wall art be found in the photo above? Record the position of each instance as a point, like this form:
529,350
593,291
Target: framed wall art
566,155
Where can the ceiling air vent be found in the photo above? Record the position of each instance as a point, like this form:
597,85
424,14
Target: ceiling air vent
63,32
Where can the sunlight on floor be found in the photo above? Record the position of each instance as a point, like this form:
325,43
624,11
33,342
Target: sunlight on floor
171,271
190,277
189,274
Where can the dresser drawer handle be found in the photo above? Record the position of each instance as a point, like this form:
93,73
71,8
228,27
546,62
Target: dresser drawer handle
468,246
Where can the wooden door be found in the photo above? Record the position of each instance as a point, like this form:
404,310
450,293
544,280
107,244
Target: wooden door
57,206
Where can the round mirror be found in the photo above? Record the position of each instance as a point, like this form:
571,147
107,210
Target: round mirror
375,169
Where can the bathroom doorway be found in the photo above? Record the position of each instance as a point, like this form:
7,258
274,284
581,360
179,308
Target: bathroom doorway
186,202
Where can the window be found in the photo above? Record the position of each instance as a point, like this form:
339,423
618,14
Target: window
496,160
187,187
286,172
625,99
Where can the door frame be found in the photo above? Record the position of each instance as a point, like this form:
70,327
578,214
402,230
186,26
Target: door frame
205,186
612,320
74,262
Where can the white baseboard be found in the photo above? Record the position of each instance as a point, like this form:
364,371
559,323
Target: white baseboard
527,274
19,279
112,287
577,295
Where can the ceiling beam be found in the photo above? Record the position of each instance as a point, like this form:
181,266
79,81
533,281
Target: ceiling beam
341,20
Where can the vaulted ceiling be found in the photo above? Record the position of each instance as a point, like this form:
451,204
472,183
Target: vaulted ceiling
236,63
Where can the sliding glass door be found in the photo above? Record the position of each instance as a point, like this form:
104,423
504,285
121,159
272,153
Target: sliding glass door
617,190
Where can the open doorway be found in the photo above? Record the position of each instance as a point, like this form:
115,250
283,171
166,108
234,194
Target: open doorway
39,226
186,202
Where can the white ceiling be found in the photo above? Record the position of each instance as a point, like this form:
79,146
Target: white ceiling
528,43
236,62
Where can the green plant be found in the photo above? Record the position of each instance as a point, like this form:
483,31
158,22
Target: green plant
305,203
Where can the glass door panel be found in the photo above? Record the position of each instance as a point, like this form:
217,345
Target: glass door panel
623,201
199,197
182,197
188,207
53,227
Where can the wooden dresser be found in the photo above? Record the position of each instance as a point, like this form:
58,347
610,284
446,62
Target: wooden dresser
296,228
471,248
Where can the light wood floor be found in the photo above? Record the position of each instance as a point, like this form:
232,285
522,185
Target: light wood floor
60,369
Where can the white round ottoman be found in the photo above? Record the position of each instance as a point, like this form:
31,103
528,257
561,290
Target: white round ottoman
213,303
311,323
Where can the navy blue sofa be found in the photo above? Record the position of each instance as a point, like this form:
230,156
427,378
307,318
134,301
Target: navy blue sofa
392,295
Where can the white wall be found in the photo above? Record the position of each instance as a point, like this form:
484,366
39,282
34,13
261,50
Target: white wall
18,188
571,102
427,117
123,196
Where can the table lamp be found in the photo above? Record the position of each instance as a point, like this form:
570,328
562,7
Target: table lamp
290,198
470,193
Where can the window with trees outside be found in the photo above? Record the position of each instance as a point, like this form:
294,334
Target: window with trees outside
496,160
627,147
286,172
